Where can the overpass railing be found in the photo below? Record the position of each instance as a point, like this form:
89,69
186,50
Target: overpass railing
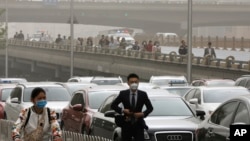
5,134
172,57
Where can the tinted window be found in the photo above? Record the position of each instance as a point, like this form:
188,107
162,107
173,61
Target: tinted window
198,95
172,107
161,82
77,99
242,82
242,114
248,84
107,104
221,95
190,94
96,98
52,94
16,93
223,116
5,94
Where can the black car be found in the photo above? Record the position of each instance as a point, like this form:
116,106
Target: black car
171,117
217,126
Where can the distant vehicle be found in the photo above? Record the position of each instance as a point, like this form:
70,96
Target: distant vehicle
5,90
243,81
142,85
12,80
169,80
178,90
171,36
128,38
171,116
213,82
235,111
75,86
83,79
77,115
106,80
56,95
209,98
38,37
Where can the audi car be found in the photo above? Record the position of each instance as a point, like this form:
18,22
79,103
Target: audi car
171,120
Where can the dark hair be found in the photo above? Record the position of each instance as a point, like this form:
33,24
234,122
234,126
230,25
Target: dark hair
132,75
36,92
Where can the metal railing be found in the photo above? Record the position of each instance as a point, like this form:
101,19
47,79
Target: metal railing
173,57
6,125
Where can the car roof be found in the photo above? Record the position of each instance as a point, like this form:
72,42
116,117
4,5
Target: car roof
214,88
12,80
106,88
39,84
8,85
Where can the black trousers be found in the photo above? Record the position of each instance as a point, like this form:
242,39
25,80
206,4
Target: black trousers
135,130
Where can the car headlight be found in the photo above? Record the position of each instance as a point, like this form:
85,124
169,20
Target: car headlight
146,136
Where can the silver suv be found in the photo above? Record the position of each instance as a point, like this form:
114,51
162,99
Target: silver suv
56,95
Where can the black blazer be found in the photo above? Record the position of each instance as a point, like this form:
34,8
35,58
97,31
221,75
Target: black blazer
124,98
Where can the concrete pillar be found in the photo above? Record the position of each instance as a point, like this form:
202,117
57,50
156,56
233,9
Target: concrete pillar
242,44
233,47
225,43
57,72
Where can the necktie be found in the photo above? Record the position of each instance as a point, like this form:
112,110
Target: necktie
133,101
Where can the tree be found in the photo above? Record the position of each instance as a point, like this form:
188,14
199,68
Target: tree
2,32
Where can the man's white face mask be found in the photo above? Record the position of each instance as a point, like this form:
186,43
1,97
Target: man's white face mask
133,86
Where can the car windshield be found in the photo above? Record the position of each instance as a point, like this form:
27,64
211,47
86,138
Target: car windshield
178,91
161,82
106,82
221,95
5,94
96,98
73,88
172,107
52,94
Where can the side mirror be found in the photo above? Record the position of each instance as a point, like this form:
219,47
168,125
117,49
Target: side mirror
15,100
110,113
201,114
77,107
193,101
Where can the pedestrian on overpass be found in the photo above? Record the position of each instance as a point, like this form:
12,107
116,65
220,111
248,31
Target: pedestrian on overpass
209,51
183,48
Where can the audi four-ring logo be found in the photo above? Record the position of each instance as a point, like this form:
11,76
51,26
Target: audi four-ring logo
174,137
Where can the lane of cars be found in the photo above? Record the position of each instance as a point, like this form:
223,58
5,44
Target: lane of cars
179,108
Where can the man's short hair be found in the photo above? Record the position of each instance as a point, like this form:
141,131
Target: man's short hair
132,75
209,43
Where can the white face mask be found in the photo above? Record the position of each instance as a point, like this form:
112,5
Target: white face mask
133,86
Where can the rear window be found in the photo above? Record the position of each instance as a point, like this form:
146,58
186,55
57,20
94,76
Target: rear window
5,94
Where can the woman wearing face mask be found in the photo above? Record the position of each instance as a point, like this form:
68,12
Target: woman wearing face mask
133,100
37,123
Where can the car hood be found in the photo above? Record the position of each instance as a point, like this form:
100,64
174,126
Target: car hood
172,123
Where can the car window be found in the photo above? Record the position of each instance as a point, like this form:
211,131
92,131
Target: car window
190,94
198,95
107,104
223,116
77,99
96,98
52,94
16,93
178,107
242,114
248,84
242,82
221,95
5,94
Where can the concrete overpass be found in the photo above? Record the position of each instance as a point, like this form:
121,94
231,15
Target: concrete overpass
54,60
152,17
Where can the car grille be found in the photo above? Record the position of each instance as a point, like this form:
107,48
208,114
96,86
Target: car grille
174,136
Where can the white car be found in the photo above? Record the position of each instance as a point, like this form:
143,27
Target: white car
169,80
57,97
84,79
128,38
209,98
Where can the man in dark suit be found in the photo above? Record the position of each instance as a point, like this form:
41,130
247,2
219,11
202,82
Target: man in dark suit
133,101
209,51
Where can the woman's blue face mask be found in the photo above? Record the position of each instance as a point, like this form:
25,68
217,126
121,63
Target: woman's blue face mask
41,103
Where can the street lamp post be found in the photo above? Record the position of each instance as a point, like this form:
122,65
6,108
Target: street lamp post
6,38
190,27
71,39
